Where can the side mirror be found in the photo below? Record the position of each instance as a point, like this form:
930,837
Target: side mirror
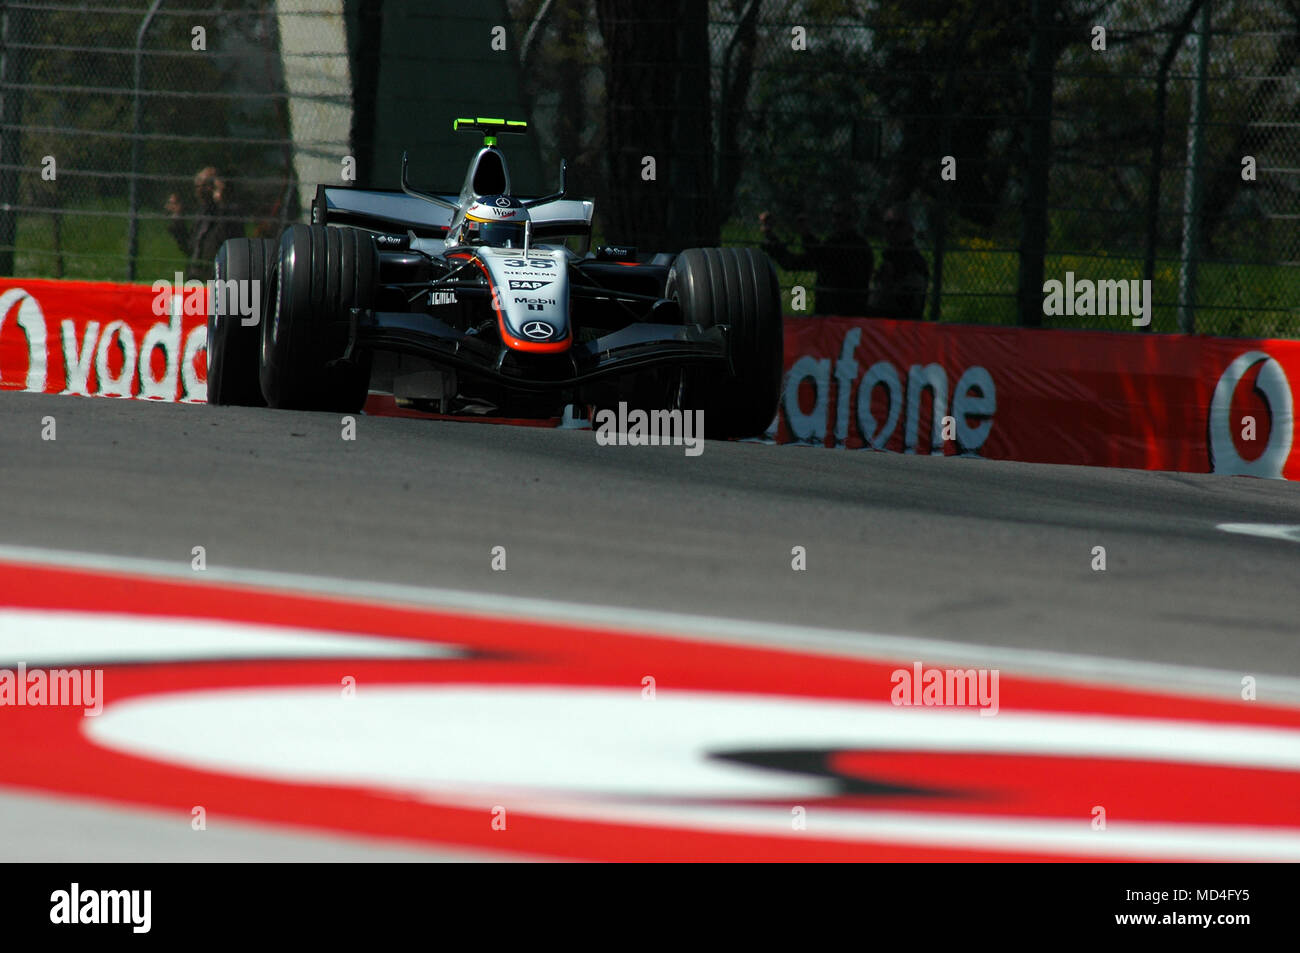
406,187
554,196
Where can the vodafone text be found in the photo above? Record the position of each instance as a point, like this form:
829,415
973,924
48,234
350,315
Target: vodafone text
75,906
101,347
974,401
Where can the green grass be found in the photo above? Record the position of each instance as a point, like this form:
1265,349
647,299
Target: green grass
1236,300
979,287
94,246
979,283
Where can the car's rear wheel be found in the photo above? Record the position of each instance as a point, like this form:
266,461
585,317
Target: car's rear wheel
233,345
307,359
735,287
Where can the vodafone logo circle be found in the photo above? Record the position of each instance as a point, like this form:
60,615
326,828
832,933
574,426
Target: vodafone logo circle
31,320
1271,383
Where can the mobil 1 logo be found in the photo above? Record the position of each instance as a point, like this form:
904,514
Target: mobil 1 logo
536,304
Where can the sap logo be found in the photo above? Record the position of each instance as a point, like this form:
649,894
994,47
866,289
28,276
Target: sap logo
527,285
442,297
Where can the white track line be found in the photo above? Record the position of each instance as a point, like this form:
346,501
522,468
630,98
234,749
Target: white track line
47,639
1149,676
1289,532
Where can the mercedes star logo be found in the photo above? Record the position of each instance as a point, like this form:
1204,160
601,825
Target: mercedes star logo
538,330
503,202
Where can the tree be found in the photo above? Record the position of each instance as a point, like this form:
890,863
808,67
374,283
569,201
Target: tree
659,124
14,33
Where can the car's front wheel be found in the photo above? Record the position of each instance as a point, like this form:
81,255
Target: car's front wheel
735,287
307,361
234,339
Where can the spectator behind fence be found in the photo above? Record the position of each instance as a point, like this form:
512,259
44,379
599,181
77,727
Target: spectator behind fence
215,220
901,281
842,262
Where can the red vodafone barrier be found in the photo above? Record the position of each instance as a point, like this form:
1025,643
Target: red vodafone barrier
1163,402
1156,402
92,338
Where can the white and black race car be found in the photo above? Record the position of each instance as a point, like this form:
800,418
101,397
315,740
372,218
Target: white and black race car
478,302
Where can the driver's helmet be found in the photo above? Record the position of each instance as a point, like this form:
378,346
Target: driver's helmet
494,220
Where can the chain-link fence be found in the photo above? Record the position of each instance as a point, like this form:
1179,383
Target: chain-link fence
136,136
942,159
1071,127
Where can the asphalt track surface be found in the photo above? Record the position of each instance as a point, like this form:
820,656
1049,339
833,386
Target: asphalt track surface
985,552
996,556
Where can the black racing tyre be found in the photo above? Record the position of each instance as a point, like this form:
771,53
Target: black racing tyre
233,346
736,287
323,273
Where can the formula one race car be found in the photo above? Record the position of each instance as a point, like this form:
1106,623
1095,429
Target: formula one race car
477,303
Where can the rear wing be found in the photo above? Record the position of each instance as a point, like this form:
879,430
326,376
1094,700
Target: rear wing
380,210
391,210
567,217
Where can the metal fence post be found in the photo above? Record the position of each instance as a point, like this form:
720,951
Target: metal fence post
1192,189
1038,109
132,238
13,72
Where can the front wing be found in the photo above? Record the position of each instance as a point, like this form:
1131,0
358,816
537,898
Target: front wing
636,347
